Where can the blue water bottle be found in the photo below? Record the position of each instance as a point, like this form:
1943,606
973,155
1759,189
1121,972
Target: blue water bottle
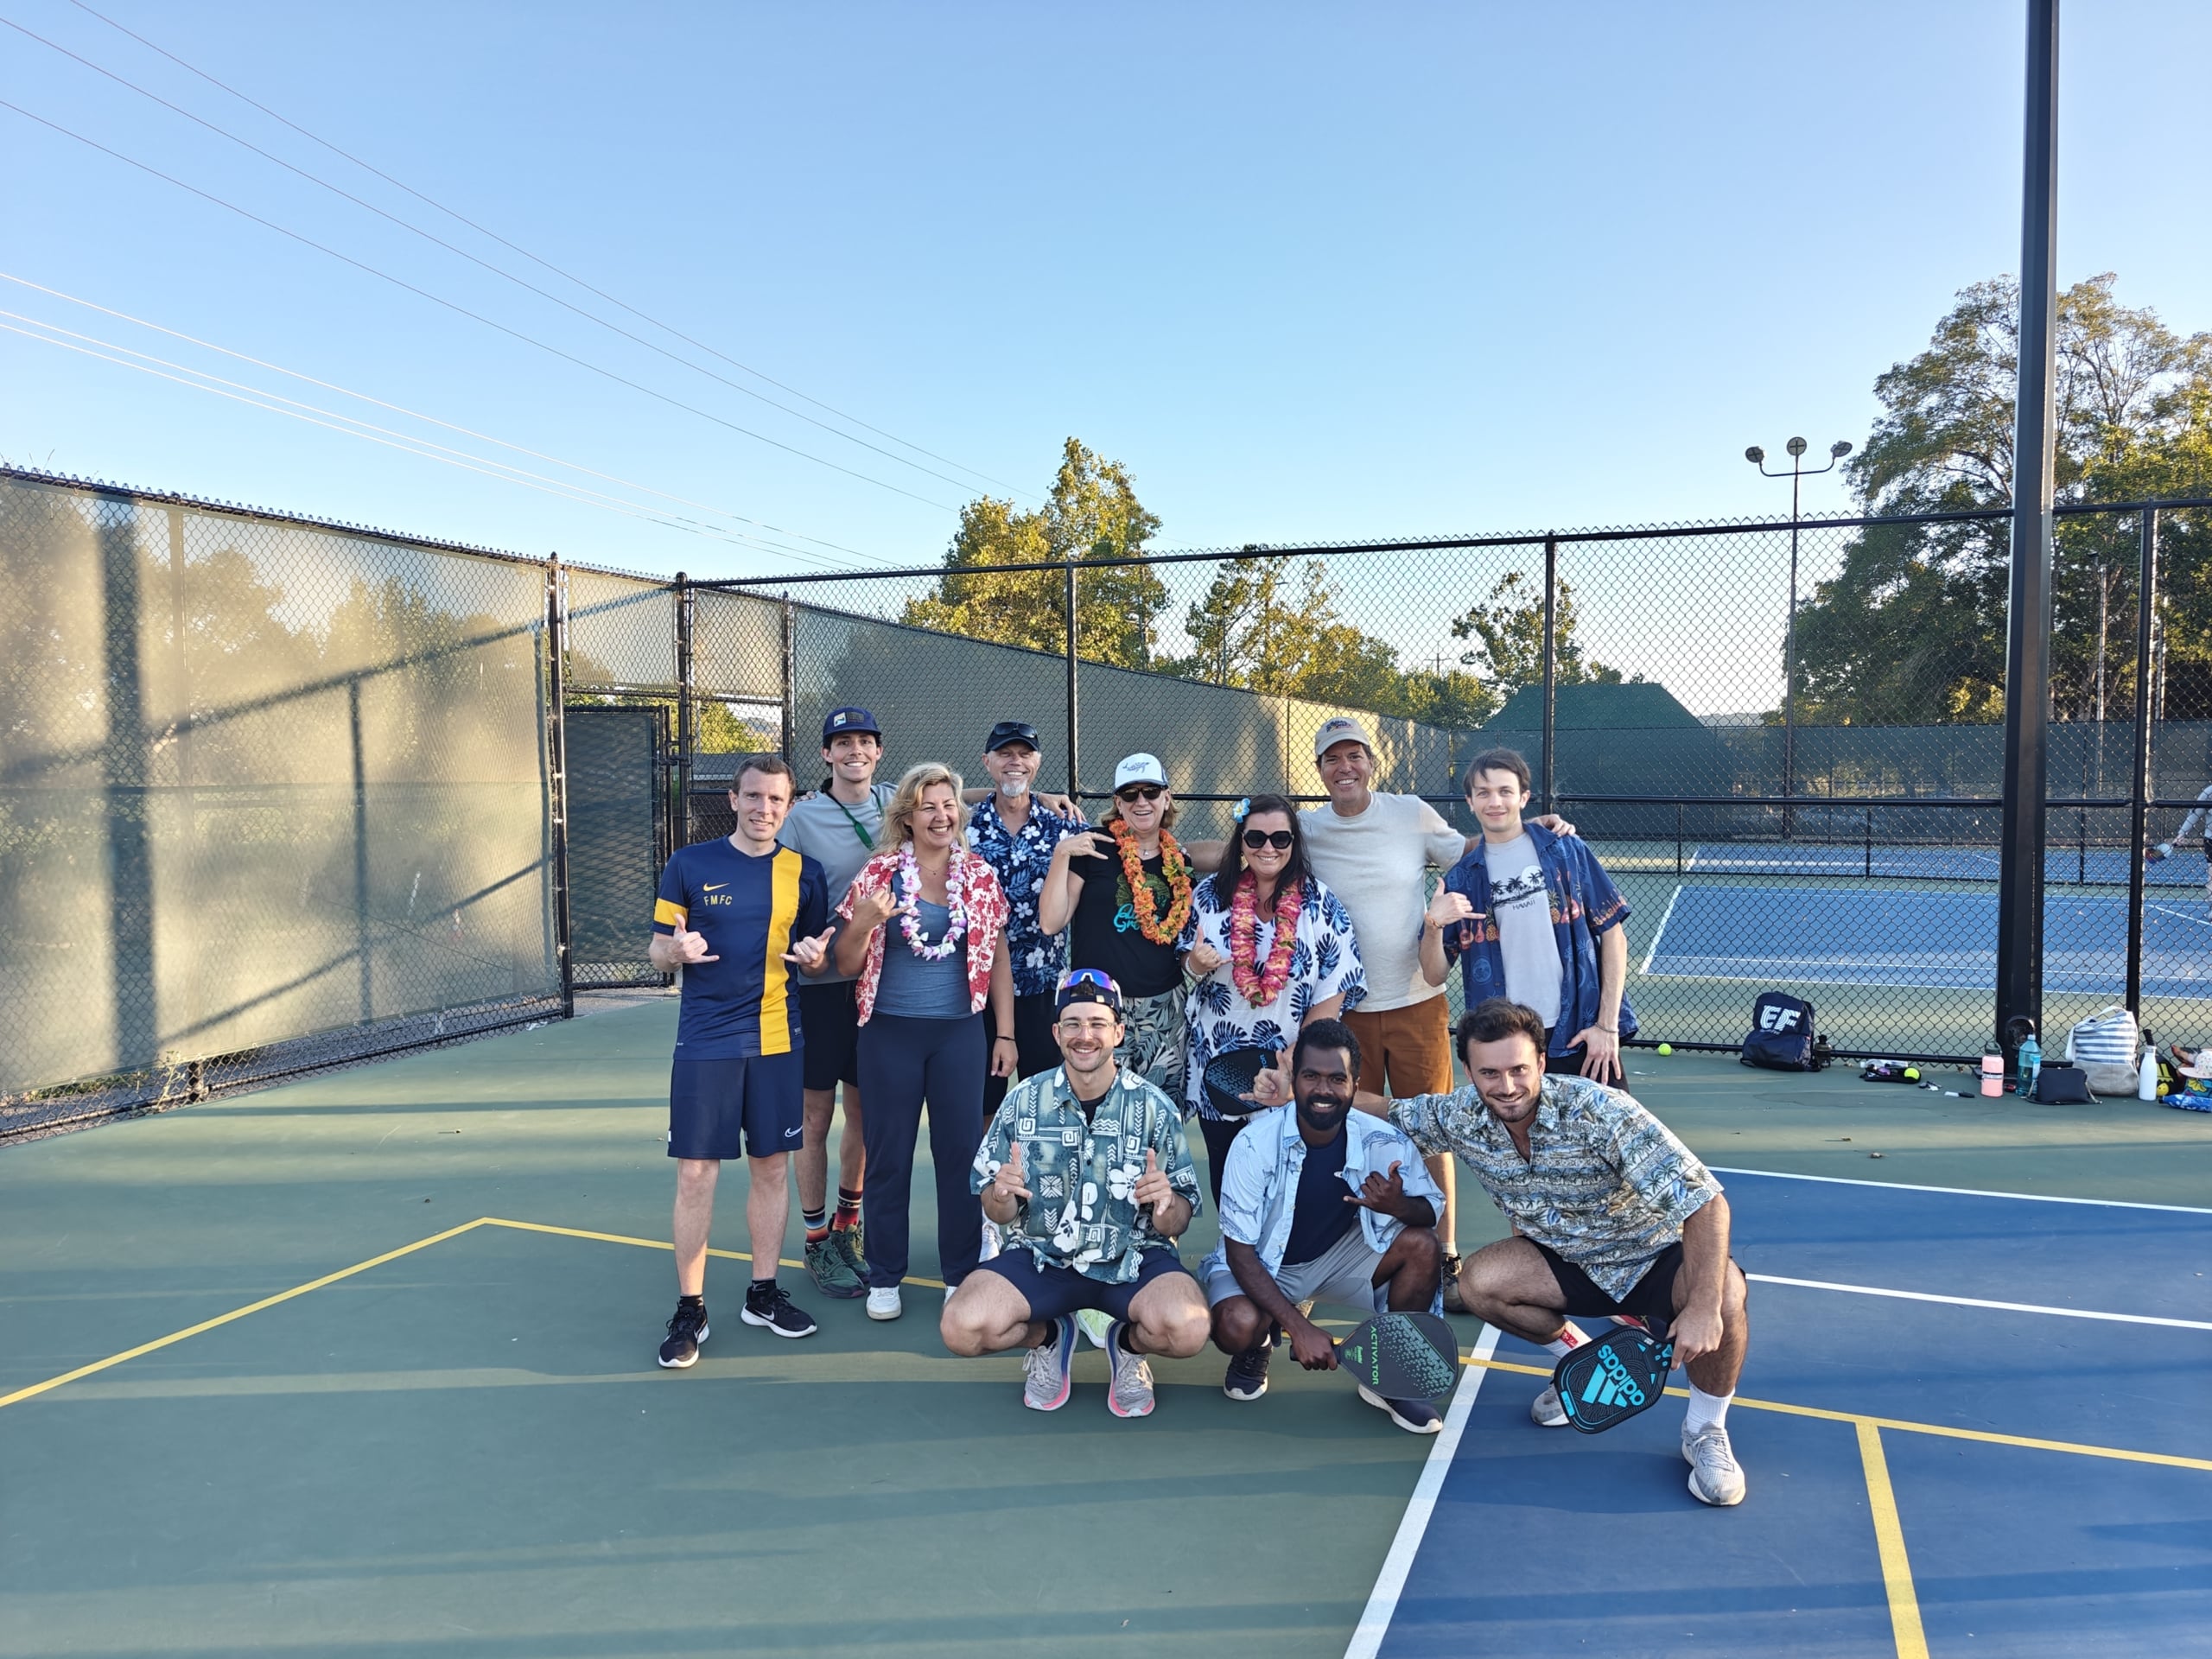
2030,1061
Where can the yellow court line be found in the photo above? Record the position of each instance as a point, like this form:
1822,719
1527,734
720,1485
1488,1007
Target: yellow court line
1889,1539
661,1244
1905,1425
174,1336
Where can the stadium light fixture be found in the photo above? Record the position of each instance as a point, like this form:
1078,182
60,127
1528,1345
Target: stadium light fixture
1840,449
1795,447
1755,454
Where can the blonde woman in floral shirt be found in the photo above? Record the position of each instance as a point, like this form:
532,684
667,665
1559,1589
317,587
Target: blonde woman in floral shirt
926,937
1272,950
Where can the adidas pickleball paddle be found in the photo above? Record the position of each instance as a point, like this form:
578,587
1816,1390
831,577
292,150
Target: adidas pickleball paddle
1402,1356
1607,1382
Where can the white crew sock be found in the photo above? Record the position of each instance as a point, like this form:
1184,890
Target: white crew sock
1571,1337
1707,1410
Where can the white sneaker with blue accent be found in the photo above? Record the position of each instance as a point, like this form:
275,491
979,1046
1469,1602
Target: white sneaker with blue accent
1129,1393
1048,1369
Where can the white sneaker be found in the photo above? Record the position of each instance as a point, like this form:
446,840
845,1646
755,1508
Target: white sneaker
883,1302
1096,1324
1129,1392
1715,1476
1545,1410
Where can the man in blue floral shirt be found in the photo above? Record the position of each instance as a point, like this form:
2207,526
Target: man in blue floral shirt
1086,1168
1014,832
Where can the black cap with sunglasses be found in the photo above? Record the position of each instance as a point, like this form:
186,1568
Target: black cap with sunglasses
1088,985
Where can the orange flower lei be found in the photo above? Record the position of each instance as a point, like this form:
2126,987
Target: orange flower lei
1156,928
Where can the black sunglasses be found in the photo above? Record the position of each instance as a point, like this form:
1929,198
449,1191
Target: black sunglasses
1281,840
1139,792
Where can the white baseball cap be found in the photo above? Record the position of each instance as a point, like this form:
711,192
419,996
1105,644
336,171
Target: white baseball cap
1140,769
1342,729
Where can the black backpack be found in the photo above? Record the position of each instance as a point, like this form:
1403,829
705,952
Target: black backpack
1782,1037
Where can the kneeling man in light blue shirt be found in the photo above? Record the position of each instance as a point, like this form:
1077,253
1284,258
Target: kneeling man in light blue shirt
1320,1204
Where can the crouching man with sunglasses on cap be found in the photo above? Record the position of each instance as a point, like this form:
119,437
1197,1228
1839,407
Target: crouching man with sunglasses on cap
1086,1166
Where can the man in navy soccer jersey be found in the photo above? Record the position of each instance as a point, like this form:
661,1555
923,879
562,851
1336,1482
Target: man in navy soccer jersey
736,915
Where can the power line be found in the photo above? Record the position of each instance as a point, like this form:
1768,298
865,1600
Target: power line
417,415
460,252
548,264
335,424
462,310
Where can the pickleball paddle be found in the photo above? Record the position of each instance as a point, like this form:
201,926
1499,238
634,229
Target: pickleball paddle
1605,1382
1401,1355
1230,1077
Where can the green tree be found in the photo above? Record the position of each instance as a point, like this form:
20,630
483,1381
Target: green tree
1508,631
1092,513
1911,629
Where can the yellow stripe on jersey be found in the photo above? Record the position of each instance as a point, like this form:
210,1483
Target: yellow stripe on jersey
783,911
667,913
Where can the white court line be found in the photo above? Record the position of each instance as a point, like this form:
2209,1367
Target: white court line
1662,933
1976,1302
1390,1582
1962,1191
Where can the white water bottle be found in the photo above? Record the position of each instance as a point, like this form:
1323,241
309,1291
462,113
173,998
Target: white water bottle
2146,1078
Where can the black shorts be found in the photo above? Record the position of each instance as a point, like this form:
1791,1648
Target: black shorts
1052,1292
725,1109
1651,1297
830,1020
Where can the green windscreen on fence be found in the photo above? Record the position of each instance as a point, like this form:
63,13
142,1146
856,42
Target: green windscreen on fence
260,783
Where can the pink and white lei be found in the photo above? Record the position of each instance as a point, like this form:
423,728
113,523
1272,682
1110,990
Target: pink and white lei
956,903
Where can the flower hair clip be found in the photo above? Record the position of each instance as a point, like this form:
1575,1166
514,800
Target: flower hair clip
1244,809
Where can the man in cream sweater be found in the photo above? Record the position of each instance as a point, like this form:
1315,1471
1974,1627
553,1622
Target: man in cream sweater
1375,851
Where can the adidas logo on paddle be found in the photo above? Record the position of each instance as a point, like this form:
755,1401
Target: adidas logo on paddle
1610,1384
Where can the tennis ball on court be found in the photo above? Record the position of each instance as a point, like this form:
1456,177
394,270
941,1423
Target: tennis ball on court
1913,1074
1666,1048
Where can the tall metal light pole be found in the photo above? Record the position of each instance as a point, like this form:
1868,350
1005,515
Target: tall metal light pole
1797,474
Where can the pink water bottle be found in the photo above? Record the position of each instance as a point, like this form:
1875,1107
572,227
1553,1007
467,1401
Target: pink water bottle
1992,1072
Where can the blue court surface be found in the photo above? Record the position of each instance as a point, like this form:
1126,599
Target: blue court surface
1929,1473
1887,936
2097,865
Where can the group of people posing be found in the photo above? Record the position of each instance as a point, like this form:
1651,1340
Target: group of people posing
1060,997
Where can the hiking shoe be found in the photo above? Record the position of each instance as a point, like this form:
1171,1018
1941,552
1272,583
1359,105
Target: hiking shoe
852,1244
1715,1476
685,1332
832,1274
883,1302
1545,1410
1415,1416
772,1309
1452,1302
1247,1377
1048,1369
1129,1392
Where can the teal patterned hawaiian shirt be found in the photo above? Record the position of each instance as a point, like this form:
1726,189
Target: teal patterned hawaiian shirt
1604,1184
1080,1174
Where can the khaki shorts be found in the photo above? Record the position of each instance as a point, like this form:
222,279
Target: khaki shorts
1342,1275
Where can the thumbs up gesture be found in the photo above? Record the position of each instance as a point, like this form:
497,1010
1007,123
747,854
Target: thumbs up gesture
1151,1188
809,955
1008,1182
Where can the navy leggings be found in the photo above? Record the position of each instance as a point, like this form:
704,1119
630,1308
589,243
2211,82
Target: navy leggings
903,1063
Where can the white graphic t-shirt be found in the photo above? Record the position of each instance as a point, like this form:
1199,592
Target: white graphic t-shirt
1522,910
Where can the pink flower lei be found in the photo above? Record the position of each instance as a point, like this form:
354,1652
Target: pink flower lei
955,902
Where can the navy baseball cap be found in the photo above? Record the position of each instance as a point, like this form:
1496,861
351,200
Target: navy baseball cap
1011,731
842,721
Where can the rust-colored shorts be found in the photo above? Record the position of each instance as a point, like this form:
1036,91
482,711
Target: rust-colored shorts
1404,1050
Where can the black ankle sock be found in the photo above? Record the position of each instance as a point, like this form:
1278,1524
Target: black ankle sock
691,1302
1128,1347
760,1287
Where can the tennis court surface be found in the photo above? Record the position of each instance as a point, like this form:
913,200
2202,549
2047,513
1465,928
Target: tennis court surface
364,1365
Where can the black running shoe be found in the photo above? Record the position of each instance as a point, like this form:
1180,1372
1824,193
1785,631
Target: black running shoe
773,1309
685,1332
1247,1378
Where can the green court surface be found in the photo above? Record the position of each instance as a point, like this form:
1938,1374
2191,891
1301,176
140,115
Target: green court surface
451,1440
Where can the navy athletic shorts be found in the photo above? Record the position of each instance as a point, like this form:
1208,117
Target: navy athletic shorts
726,1109
1052,1292
830,1020
1650,1297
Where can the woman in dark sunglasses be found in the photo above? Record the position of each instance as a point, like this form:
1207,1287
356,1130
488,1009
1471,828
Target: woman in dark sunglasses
1271,947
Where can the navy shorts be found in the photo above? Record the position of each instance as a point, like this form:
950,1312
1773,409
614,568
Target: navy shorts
726,1109
1651,1297
829,1020
1052,1292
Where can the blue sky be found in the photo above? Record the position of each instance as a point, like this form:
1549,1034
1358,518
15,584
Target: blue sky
1311,272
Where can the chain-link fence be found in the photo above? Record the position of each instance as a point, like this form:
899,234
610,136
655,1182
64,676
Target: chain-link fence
276,793
271,794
